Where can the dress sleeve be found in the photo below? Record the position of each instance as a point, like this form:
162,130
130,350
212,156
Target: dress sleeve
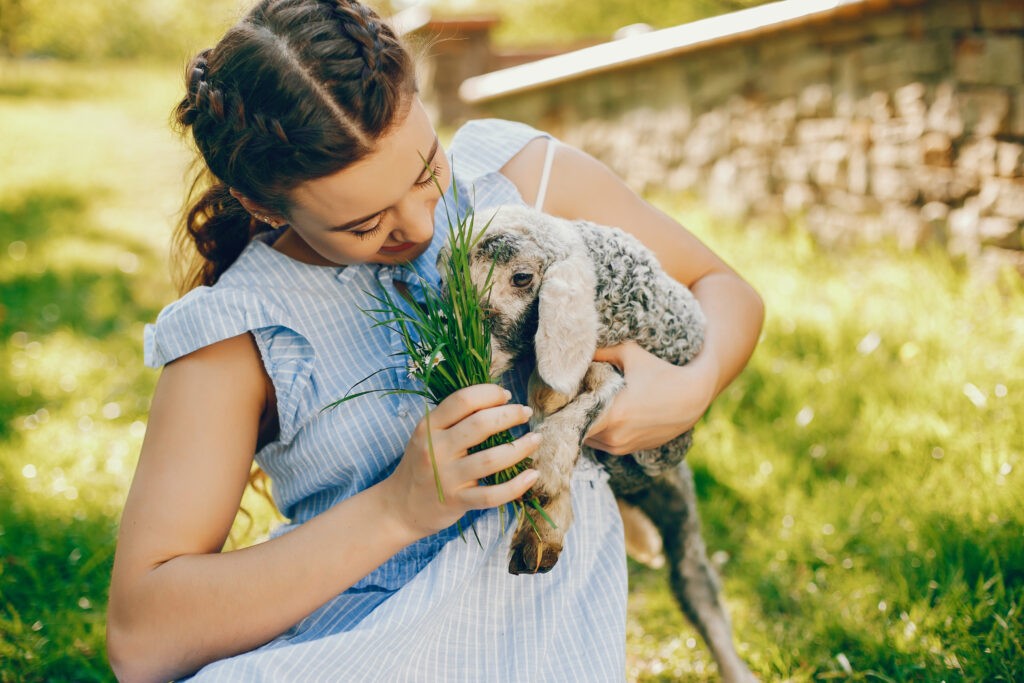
207,315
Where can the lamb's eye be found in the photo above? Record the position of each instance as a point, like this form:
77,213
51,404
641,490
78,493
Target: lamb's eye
522,279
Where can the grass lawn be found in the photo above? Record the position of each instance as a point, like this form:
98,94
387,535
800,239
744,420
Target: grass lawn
860,482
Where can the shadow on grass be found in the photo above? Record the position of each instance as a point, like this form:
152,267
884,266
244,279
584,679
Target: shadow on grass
54,571
93,301
90,303
41,213
930,602
30,90
56,554
725,512
42,80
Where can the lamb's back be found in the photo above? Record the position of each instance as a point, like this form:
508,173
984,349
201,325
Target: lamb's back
638,301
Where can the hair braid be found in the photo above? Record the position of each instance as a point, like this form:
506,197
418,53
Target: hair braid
297,90
380,50
358,22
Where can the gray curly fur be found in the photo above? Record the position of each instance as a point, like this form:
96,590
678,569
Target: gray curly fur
637,301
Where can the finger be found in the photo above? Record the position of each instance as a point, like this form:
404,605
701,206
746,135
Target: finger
612,448
493,460
482,497
617,355
609,354
600,423
467,401
476,428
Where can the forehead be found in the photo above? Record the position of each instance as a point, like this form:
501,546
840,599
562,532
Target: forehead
501,247
376,181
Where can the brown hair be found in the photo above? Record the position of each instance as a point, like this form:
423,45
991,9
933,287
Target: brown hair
297,90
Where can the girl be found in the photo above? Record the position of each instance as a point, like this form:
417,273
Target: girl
307,118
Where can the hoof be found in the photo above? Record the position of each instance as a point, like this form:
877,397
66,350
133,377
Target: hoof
530,555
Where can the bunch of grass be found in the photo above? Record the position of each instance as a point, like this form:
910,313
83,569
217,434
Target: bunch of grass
446,342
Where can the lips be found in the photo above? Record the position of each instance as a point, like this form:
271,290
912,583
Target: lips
398,248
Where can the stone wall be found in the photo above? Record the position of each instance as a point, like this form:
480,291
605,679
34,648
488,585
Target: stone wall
903,120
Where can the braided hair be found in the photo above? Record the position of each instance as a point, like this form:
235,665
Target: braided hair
297,90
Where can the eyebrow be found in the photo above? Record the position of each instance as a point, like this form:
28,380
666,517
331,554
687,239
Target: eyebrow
359,221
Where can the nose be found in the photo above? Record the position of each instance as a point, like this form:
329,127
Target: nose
414,223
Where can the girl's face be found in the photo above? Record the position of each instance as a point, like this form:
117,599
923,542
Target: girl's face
380,209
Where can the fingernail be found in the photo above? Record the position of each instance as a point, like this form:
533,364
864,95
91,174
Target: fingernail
532,437
528,410
508,395
531,476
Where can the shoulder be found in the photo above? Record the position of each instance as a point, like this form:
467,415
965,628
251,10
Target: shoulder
232,362
576,178
484,146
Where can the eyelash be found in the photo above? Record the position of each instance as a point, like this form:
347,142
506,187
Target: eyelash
434,171
370,232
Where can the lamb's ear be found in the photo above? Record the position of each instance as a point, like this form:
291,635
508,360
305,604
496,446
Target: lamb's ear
566,324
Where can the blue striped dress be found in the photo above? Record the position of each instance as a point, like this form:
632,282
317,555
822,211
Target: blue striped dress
443,608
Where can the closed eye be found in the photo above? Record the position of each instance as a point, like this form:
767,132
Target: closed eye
431,177
372,230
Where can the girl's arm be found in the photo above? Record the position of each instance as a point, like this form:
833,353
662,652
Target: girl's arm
177,602
660,400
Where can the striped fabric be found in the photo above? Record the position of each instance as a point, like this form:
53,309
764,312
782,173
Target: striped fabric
442,609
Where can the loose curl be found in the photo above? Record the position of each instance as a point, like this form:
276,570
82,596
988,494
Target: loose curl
297,90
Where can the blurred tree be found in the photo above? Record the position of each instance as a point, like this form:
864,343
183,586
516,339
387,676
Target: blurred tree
120,29
531,22
12,18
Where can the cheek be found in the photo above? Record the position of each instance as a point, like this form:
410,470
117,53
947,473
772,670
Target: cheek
347,250
512,317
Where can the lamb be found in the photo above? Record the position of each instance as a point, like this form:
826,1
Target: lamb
559,290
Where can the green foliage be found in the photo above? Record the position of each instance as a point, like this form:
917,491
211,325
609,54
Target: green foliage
533,22
859,483
174,29
119,29
151,29
862,476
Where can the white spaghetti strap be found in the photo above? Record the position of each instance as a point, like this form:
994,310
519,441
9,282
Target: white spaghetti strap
545,175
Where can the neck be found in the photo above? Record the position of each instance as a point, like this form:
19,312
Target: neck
293,246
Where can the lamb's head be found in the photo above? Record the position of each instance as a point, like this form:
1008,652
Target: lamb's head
541,293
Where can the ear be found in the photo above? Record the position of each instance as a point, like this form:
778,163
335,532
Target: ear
257,211
566,324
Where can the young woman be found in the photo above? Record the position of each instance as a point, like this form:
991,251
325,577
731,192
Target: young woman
307,118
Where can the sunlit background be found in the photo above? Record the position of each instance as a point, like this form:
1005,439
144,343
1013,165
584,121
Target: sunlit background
860,482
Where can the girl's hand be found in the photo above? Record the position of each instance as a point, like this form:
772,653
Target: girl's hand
659,402
463,420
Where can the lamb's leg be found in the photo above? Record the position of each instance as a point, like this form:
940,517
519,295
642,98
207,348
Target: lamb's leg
562,424
671,503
